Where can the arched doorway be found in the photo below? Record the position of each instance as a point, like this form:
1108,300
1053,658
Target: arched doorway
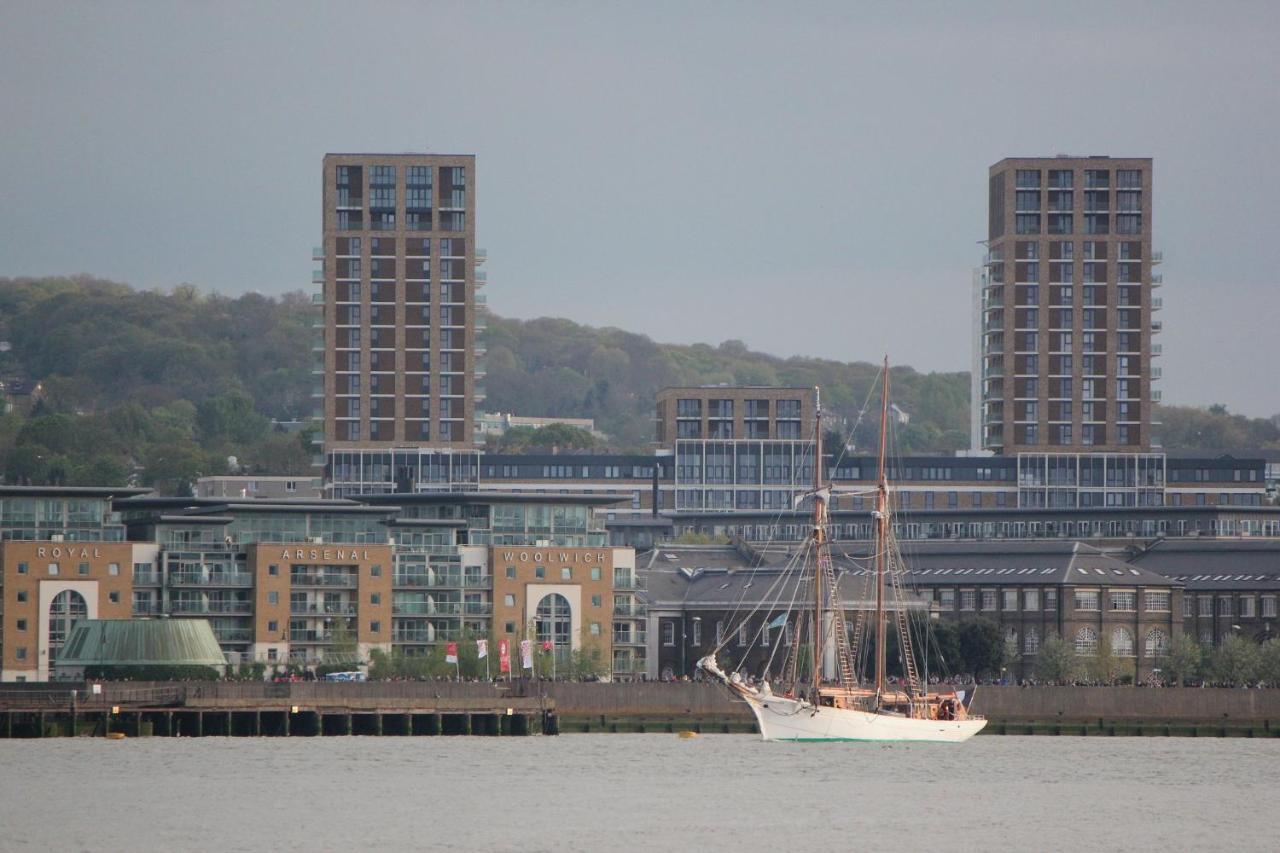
553,623
66,607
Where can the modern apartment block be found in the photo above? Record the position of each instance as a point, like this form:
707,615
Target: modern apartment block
738,447
400,298
1067,327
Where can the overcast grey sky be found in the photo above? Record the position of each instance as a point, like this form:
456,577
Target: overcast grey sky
686,170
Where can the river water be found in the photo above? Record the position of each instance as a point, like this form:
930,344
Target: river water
610,792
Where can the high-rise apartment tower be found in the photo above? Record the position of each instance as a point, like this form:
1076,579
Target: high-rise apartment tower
400,306
1067,315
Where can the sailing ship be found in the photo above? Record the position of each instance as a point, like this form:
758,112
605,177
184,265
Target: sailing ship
851,705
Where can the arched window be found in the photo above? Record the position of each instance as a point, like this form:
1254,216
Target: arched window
552,623
1122,643
1157,643
1031,640
66,607
1086,641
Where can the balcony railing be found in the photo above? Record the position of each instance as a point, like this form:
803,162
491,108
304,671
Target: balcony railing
630,638
186,579
146,578
632,610
425,636
237,636
445,608
348,581
322,609
242,607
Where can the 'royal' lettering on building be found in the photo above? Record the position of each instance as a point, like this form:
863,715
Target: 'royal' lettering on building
58,552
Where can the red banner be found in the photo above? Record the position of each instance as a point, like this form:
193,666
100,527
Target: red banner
504,656
546,645
451,653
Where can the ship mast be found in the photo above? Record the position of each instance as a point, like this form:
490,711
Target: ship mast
882,538
819,539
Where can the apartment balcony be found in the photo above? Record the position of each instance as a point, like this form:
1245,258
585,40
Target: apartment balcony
317,253
1157,373
1157,349
1157,326
214,607
150,608
146,578
482,255
317,299
628,584
630,638
1157,303
238,635
439,635
443,608
477,608
317,276
480,276
345,581
1155,396
310,636
1157,279
1157,258
322,609
634,610
185,579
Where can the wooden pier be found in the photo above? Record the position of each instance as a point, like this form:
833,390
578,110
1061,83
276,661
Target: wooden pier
323,710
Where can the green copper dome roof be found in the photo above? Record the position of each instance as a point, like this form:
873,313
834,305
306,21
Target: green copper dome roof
141,642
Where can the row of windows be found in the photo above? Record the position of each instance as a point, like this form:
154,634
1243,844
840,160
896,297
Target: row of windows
1030,179
1244,605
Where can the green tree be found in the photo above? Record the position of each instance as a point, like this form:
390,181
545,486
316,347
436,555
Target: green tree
982,647
1057,662
1236,662
1184,660
1103,666
1269,663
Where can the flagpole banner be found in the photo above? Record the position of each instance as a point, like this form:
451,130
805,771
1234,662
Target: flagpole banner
526,654
546,645
451,653
482,648
504,656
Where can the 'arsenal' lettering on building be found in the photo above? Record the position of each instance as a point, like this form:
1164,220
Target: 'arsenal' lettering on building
324,554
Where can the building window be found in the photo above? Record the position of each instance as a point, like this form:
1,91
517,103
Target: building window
719,631
1188,605
988,599
375,627
509,600
22,624
697,632
595,573
1086,641
273,597
1224,605
1031,599
566,573
539,572
947,598
1122,643
273,569
1051,599
1205,605
1157,643
1086,599
509,627
21,653
375,598
1031,640
53,568
1010,600
742,634
22,568
596,601
1156,601
113,597
1246,606
1268,607
595,629
1126,600
668,633
968,599
511,572
22,597
273,626
113,569
375,571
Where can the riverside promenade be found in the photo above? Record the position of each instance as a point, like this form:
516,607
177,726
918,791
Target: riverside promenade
409,708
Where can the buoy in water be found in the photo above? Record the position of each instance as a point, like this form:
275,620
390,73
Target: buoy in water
688,734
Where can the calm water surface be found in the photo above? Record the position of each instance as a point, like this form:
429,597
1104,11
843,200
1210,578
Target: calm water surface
637,792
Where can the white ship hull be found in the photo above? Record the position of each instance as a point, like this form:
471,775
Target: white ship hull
783,719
